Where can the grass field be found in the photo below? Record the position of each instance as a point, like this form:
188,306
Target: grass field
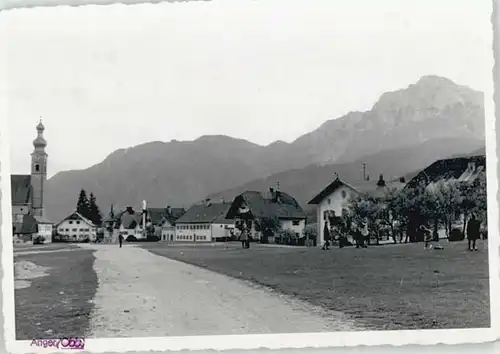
385,287
44,247
56,305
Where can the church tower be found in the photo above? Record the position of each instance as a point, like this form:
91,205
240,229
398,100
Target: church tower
38,172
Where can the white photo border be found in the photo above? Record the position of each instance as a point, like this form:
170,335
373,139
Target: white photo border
268,341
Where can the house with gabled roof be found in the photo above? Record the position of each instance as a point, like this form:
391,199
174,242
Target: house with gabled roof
163,221
129,223
461,169
76,228
333,200
204,222
251,206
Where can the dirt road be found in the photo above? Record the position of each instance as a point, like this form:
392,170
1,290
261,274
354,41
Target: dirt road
142,294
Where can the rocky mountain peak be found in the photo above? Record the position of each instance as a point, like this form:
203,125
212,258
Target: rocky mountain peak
430,92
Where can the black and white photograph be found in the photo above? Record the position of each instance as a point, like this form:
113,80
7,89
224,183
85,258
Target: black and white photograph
244,174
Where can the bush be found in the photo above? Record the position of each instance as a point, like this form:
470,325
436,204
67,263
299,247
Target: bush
311,232
38,240
131,239
456,235
286,237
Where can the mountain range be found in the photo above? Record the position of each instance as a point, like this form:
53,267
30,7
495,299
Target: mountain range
405,131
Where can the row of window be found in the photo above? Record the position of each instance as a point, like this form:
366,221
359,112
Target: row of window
80,230
190,238
76,236
194,227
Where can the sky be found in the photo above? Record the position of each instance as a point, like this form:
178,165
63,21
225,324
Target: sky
109,77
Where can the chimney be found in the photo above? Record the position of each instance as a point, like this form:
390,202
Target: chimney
277,186
381,181
472,166
130,210
168,210
402,180
364,172
222,201
271,192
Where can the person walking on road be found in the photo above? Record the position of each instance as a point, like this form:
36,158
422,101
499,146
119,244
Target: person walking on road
244,237
120,240
473,232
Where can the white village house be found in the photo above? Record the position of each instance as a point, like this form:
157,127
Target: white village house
252,205
333,200
205,222
77,228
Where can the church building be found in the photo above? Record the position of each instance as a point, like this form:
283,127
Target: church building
27,193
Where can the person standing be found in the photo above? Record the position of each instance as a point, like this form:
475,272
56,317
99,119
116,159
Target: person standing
244,237
120,240
326,236
473,232
426,235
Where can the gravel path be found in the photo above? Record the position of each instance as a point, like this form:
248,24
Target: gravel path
142,294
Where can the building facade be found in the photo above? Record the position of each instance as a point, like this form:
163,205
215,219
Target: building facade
76,228
205,222
331,202
251,207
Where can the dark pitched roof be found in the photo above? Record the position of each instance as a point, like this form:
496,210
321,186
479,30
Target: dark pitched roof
77,216
176,213
155,215
337,182
158,215
280,205
20,189
454,168
204,213
221,219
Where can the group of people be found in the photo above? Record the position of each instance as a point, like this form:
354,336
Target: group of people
361,235
339,233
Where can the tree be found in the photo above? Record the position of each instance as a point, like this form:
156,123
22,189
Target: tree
82,205
311,232
94,212
448,203
365,208
390,211
479,195
269,226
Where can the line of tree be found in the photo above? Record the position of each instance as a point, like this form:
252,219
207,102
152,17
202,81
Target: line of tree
399,213
88,208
